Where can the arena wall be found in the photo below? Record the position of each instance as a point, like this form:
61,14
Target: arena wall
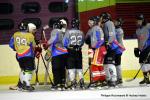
9,68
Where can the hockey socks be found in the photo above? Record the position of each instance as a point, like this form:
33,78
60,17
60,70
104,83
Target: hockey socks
111,75
25,78
119,74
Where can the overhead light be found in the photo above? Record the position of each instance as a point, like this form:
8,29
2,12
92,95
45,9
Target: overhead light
66,1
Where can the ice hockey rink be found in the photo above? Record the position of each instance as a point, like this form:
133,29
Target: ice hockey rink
129,91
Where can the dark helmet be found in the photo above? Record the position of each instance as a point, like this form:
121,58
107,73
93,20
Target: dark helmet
75,23
140,17
105,16
95,19
57,25
23,26
120,21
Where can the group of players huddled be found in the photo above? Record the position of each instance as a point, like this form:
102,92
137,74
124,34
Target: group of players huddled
105,41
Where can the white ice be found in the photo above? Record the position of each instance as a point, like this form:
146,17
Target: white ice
130,91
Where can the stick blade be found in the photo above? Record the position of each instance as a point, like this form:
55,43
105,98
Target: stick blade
129,80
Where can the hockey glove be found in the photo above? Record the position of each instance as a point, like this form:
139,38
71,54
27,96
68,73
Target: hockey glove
38,51
37,42
136,52
107,45
45,45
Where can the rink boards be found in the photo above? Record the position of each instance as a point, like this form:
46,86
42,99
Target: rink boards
9,68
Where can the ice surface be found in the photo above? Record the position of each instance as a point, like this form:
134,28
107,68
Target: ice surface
129,91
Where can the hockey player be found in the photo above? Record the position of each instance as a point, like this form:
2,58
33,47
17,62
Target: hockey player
112,46
96,36
24,44
59,56
143,50
119,36
73,41
31,29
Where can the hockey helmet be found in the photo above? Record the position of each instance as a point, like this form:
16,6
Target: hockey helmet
95,19
63,22
31,27
119,22
75,23
105,16
140,17
57,25
23,26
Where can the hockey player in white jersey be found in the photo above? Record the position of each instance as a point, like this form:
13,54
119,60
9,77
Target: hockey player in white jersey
143,50
73,41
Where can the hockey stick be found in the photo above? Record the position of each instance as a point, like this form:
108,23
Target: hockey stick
86,71
44,36
36,72
129,80
46,67
47,70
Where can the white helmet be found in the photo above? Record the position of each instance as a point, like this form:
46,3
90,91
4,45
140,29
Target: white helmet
31,27
64,25
63,21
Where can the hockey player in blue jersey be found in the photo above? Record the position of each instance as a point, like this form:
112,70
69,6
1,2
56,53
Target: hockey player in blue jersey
112,46
73,41
143,50
59,55
95,36
119,36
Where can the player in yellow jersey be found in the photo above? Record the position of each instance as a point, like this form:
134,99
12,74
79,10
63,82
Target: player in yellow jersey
23,43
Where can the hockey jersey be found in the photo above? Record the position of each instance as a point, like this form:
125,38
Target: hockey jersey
73,37
55,42
119,37
96,36
23,43
110,36
143,35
